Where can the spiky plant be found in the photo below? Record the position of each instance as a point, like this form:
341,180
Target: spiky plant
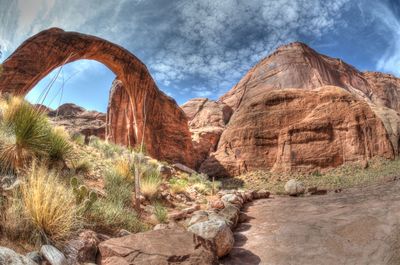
24,134
49,205
60,147
150,184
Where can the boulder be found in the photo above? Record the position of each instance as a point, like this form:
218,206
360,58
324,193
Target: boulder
231,214
232,199
53,255
216,231
197,217
83,248
165,246
10,257
294,187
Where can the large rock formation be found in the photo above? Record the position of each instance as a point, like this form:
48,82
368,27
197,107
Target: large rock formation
79,120
300,110
207,121
165,133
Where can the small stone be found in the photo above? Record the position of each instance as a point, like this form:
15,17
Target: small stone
263,194
232,199
123,232
83,248
53,255
217,204
294,187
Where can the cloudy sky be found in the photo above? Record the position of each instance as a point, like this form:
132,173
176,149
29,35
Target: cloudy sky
201,48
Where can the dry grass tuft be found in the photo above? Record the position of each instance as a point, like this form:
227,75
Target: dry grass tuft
49,205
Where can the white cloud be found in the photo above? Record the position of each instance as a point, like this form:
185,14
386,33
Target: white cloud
207,41
389,27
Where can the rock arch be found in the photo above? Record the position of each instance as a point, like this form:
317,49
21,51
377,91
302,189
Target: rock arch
162,126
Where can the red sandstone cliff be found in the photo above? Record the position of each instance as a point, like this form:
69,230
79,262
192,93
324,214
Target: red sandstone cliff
300,110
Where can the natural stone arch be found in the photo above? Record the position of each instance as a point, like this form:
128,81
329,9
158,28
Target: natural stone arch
166,134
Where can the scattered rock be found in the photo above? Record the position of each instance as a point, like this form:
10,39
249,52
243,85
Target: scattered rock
184,168
183,213
231,214
10,257
166,172
232,199
53,255
263,194
83,248
165,246
216,231
123,232
217,204
294,187
199,216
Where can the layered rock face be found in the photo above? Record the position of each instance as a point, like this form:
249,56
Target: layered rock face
207,121
155,118
77,119
300,110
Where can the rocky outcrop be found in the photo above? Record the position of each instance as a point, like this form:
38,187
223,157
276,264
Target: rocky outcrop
163,246
293,129
78,120
298,110
207,121
165,133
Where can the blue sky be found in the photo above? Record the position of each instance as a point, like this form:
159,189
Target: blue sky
202,48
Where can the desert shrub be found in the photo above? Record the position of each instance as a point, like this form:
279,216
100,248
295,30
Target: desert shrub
160,212
150,184
78,138
49,205
15,224
82,166
119,191
60,147
108,216
178,185
123,168
24,134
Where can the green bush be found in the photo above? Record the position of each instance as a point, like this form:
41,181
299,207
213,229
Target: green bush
108,216
24,135
160,212
119,191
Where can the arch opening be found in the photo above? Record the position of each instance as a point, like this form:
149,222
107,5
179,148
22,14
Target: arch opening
152,117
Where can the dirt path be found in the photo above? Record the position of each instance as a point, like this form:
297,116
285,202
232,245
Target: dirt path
356,226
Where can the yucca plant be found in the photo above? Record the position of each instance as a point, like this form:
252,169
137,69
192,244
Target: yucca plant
60,148
24,134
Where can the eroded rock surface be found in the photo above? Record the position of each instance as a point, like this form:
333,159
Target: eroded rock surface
298,110
164,246
77,119
356,227
298,129
207,121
